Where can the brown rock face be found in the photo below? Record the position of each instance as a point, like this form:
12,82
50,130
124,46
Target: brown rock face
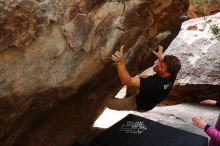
55,61
22,20
199,8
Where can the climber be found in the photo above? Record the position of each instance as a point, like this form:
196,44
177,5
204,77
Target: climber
152,89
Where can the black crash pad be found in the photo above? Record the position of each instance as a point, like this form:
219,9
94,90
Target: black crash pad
137,131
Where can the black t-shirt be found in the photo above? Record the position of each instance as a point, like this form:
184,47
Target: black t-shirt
152,91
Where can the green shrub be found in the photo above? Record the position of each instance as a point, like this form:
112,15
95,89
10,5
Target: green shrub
202,5
215,29
198,7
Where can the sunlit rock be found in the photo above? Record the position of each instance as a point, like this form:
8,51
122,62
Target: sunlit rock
199,51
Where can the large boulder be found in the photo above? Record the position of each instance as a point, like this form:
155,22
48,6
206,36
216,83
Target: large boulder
199,51
55,61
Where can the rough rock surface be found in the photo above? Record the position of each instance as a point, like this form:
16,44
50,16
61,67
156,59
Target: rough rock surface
180,116
55,66
199,51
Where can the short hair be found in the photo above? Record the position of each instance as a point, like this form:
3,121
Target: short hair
173,64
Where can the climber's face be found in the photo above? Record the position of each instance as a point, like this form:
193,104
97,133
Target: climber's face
160,67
